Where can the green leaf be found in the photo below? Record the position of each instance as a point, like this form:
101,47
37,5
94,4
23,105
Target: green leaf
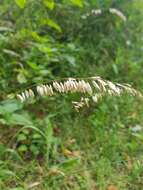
20,3
44,49
9,106
34,128
49,3
51,23
48,131
21,78
70,59
14,154
19,119
11,53
2,149
5,29
36,36
5,173
49,135
17,188
3,121
115,69
67,164
25,131
36,136
34,149
22,148
21,137
78,3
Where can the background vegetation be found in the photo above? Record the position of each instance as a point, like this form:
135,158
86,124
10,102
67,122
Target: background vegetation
45,144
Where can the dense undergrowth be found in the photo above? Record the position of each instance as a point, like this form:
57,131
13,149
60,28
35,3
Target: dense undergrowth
45,144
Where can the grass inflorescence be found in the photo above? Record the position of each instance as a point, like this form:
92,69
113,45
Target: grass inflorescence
93,87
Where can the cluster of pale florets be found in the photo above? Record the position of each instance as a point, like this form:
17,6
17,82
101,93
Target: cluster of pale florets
97,12
93,88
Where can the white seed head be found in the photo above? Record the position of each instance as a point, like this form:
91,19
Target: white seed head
40,90
20,97
118,13
31,93
23,95
96,85
96,11
95,98
49,90
82,86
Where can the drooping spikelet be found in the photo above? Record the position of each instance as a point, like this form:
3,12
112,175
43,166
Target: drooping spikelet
95,12
59,87
83,102
84,87
25,95
118,13
96,97
71,85
45,90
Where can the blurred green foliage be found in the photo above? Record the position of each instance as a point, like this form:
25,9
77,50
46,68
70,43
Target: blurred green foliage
45,140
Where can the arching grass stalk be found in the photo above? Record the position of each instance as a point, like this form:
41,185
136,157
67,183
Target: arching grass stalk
90,88
98,12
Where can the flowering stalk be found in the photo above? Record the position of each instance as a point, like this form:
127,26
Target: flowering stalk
98,12
94,87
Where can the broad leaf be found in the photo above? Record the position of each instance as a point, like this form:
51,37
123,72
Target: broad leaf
19,119
9,106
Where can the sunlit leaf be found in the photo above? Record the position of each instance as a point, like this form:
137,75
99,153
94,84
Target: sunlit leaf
51,24
21,137
78,3
49,3
22,148
36,136
21,78
20,3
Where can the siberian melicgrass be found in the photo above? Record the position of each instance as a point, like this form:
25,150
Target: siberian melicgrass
93,88
113,11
